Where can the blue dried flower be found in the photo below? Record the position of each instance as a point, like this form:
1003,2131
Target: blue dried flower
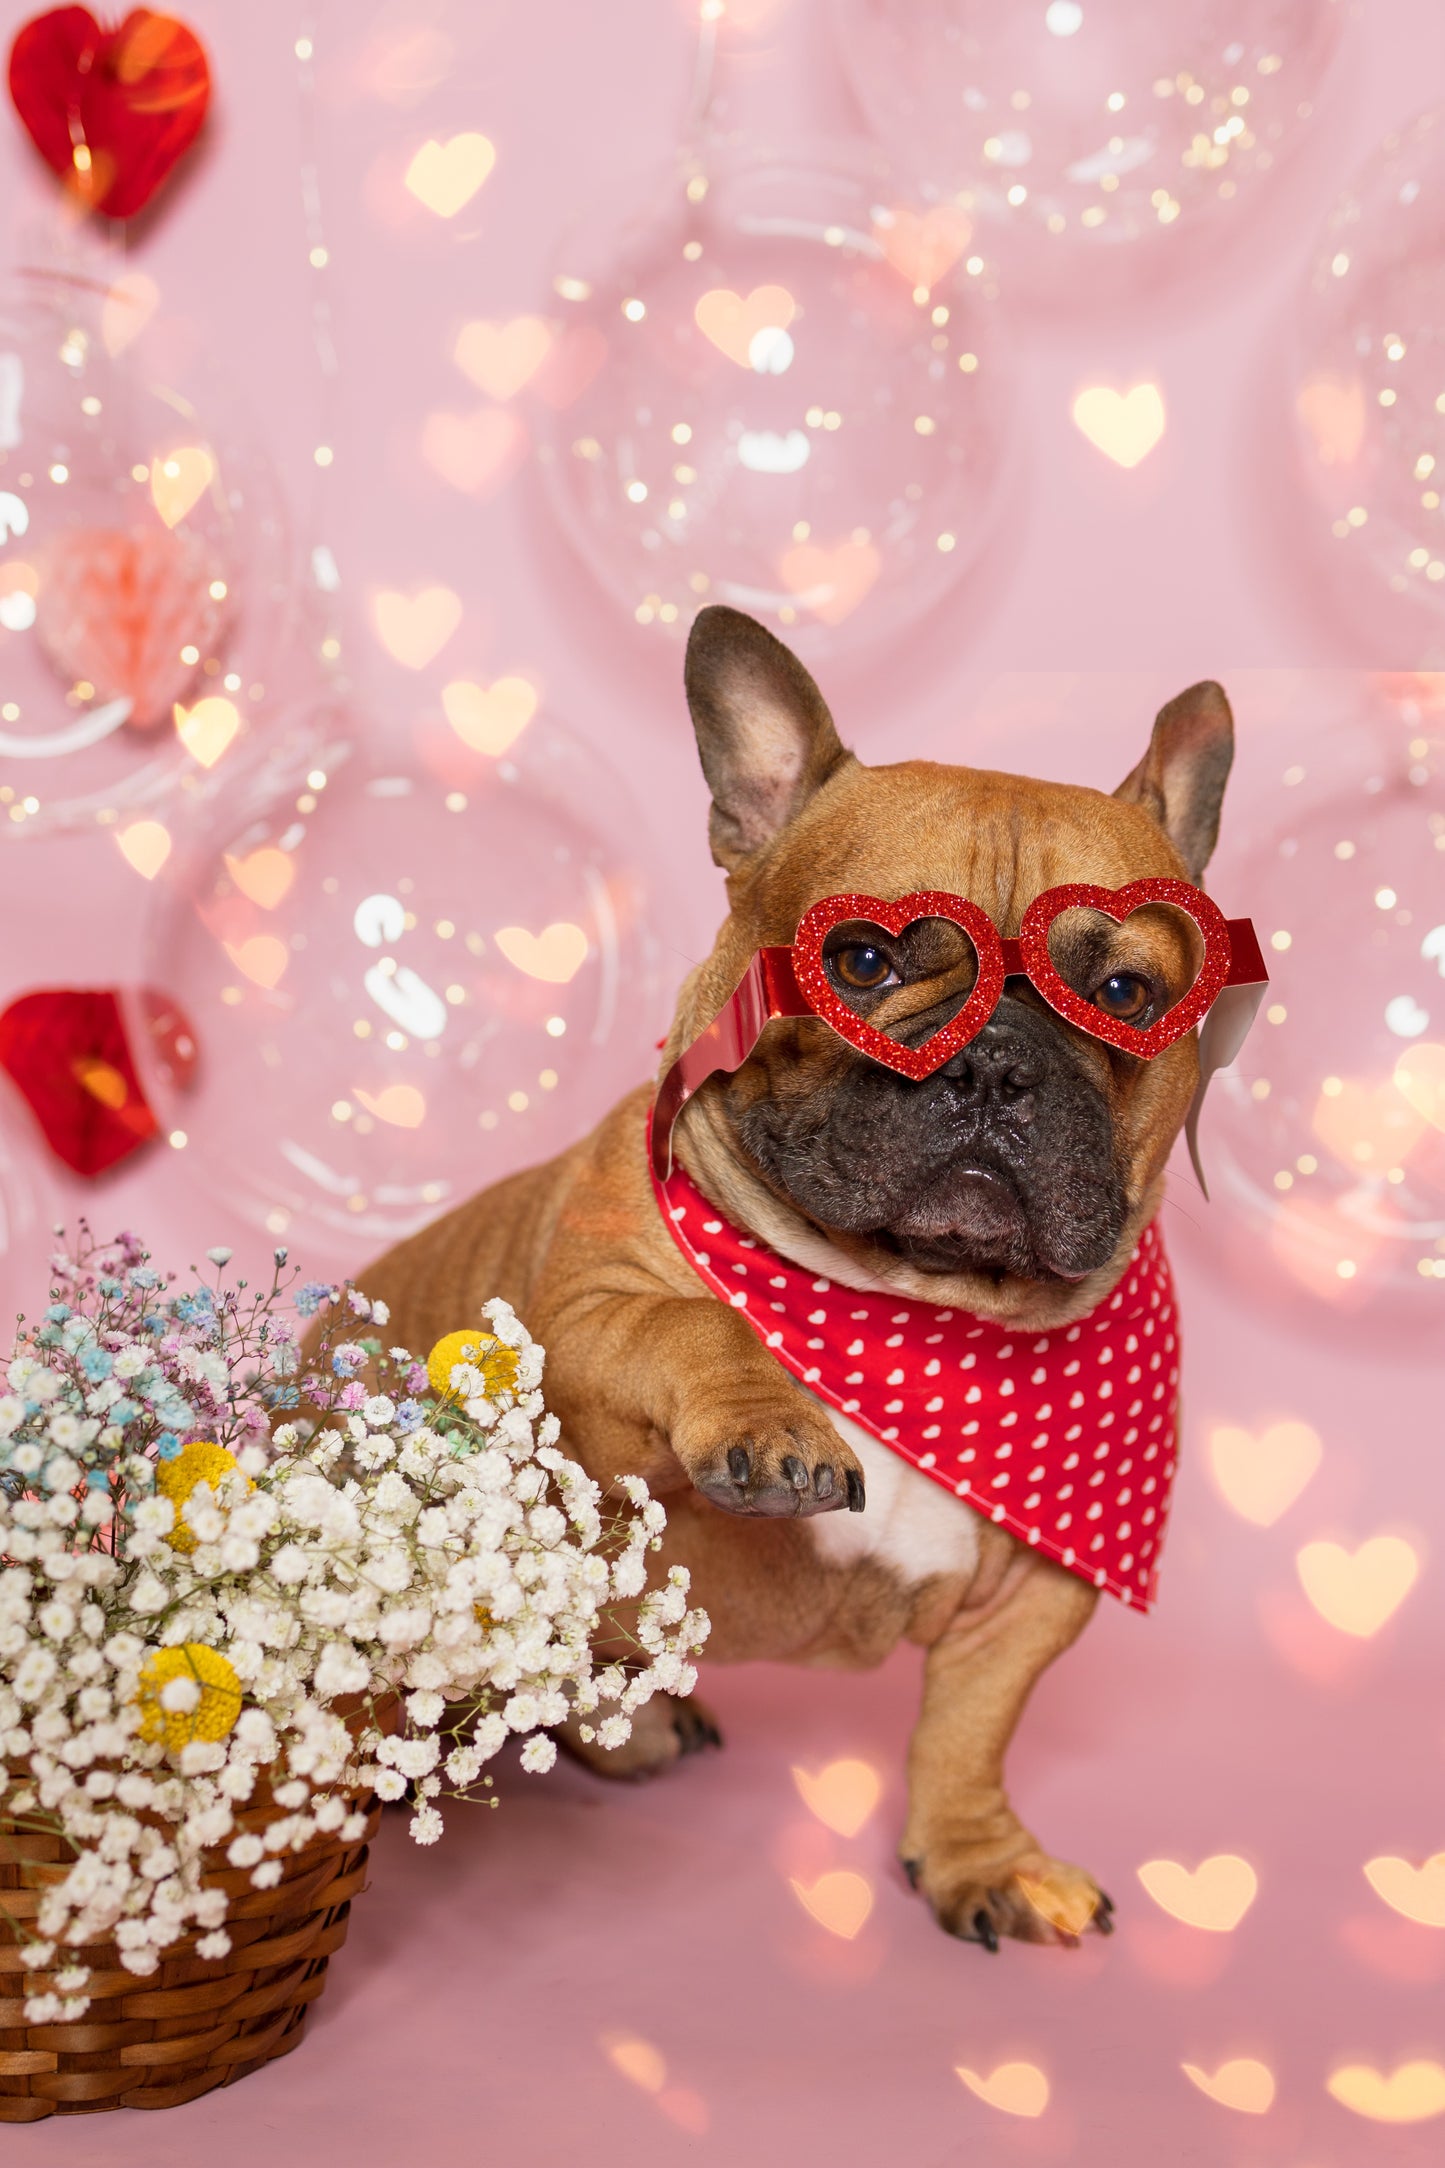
310,1297
410,1415
96,1364
122,1412
58,1312
168,1445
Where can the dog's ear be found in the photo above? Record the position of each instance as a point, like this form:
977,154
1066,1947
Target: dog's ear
764,734
1181,778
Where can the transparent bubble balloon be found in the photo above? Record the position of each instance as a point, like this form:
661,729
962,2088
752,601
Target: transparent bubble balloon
408,972
1325,1145
142,564
1370,398
1081,134
25,1240
788,396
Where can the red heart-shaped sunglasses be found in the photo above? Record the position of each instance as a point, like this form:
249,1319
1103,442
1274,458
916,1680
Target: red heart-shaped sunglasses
794,982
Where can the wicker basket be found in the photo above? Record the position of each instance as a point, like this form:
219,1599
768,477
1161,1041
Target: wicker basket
156,2040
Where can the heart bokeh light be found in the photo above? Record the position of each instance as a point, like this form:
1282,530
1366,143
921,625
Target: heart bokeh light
142,562
793,400
1327,1144
1080,138
409,973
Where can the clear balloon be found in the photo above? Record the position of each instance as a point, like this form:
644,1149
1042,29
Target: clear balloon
408,973
24,1238
788,397
1079,133
1325,1145
1370,402
143,572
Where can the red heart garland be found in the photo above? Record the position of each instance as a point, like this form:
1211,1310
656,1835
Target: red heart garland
66,1049
110,110
910,1061
1118,904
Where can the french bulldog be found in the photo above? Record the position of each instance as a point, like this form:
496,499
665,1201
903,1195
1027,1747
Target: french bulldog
1013,1184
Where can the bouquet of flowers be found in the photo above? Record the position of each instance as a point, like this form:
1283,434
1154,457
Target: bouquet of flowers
240,1574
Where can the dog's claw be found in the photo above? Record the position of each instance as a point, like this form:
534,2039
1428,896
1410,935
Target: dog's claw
987,1932
694,1730
783,1472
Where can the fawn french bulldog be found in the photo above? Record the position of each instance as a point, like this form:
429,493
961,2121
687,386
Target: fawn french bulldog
997,1211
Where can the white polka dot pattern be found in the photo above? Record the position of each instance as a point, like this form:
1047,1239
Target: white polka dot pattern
1065,1438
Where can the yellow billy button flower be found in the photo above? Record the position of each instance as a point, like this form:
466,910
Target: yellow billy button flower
484,1351
198,1462
187,1693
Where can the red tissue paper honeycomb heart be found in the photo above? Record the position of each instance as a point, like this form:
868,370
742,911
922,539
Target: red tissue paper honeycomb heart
67,1050
110,110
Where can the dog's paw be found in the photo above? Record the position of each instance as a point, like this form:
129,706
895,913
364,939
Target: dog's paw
781,1468
664,1729
1029,1897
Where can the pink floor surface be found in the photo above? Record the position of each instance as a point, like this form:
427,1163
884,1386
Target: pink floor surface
626,1975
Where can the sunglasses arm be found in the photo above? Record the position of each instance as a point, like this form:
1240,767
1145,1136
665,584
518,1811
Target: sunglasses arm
1226,1027
766,989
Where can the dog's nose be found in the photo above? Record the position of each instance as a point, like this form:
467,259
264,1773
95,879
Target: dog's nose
998,1065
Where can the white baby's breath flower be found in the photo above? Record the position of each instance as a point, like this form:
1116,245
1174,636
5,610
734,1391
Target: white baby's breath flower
467,1573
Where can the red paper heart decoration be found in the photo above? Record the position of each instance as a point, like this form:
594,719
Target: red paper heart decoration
910,1061
110,110
1118,903
67,1051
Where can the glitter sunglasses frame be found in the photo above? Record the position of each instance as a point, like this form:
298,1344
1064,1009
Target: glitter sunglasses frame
793,981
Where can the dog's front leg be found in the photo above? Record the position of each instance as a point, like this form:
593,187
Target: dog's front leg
964,1846
748,1438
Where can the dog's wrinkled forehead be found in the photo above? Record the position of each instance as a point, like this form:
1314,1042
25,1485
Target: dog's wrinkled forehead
998,840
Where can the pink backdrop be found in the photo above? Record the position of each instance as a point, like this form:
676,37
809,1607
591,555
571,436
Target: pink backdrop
492,1998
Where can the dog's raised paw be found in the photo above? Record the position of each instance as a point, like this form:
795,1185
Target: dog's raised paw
1030,1898
778,1470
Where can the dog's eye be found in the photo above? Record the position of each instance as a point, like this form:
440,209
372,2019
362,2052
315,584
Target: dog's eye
863,966
1123,996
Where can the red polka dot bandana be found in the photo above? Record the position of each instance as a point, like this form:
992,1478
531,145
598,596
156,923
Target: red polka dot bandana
1065,1438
